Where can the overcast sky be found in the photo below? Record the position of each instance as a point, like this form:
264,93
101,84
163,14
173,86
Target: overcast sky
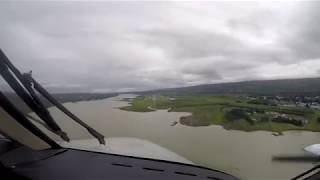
109,46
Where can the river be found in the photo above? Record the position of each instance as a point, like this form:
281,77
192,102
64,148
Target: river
246,155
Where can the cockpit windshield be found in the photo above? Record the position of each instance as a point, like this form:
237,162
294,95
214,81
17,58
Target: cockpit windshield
231,86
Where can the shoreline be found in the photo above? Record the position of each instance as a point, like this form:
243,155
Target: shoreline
197,119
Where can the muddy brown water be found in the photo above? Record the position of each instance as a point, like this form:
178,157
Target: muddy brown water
246,155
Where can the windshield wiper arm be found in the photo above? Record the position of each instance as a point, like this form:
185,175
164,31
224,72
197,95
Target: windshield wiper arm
19,116
51,99
35,103
25,92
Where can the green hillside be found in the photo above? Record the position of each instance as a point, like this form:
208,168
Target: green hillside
306,86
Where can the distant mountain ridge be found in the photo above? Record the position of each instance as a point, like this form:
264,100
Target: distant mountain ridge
305,86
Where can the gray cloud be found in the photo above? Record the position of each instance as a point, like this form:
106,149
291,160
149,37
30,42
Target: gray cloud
304,34
121,46
192,43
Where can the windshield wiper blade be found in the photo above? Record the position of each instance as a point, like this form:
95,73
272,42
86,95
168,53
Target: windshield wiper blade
25,92
301,158
30,84
51,99
19,116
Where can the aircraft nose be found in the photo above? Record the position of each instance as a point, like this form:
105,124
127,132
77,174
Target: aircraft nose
313,149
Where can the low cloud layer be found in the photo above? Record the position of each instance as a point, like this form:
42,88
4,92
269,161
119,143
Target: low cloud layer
123,46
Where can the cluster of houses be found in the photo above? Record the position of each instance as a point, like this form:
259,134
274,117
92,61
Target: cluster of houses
294,101
280,118
290,119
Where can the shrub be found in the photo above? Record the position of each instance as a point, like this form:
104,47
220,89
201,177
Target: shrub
264,118
236,114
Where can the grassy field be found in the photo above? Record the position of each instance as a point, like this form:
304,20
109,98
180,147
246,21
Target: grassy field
208,110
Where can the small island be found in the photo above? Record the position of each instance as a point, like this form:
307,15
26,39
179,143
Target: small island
237,111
